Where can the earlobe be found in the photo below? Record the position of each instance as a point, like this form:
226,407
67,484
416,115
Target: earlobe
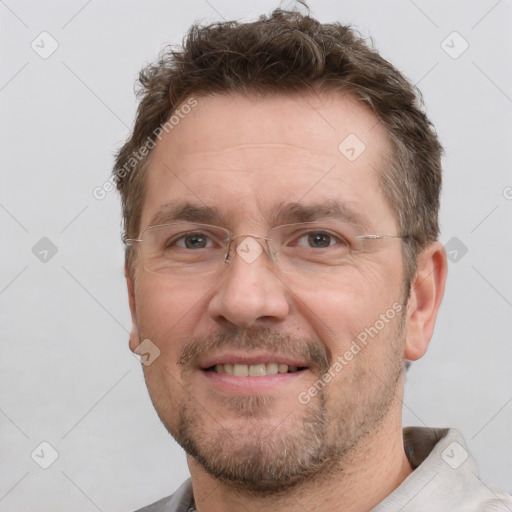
426,296
134,338
134,333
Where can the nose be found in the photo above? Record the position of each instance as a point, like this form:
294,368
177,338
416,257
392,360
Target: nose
250,292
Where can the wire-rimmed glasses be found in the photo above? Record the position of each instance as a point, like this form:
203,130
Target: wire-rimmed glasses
193,249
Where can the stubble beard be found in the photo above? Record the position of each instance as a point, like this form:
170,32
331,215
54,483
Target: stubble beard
260,458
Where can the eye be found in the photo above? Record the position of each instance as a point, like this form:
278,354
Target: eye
320,240
197,240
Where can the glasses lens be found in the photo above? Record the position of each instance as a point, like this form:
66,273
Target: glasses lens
310,246
184,249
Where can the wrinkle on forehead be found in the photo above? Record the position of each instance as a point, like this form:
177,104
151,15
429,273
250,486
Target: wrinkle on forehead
249,157
257,145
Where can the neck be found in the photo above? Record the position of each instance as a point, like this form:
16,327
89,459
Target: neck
371,472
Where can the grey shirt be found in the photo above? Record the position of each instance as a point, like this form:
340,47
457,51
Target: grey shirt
445,479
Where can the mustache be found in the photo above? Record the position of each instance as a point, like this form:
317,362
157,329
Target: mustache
313,351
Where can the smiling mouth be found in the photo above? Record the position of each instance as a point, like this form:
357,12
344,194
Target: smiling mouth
254,370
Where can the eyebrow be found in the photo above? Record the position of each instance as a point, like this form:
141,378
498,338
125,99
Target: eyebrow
187,212
329,209
278,215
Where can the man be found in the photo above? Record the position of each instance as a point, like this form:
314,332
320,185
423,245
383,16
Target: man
280,196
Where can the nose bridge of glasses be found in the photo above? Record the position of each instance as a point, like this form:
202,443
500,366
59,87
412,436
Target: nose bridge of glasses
248,246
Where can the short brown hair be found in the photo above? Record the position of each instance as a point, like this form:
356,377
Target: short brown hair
288,52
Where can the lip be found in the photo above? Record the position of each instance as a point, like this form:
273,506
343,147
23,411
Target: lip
240,385
249,358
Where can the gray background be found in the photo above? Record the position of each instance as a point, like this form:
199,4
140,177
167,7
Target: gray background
67,376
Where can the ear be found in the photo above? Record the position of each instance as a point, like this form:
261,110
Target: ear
134,334
426,294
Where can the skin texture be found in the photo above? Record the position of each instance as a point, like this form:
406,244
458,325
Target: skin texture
256,445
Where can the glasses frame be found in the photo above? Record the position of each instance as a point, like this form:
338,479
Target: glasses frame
130,242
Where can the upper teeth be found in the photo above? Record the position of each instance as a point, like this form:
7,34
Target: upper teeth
254,370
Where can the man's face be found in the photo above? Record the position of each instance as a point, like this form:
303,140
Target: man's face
248,165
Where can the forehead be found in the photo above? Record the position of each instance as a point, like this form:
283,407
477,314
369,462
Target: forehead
244,155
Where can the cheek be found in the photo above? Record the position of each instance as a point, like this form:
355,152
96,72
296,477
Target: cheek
343,308
167,314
